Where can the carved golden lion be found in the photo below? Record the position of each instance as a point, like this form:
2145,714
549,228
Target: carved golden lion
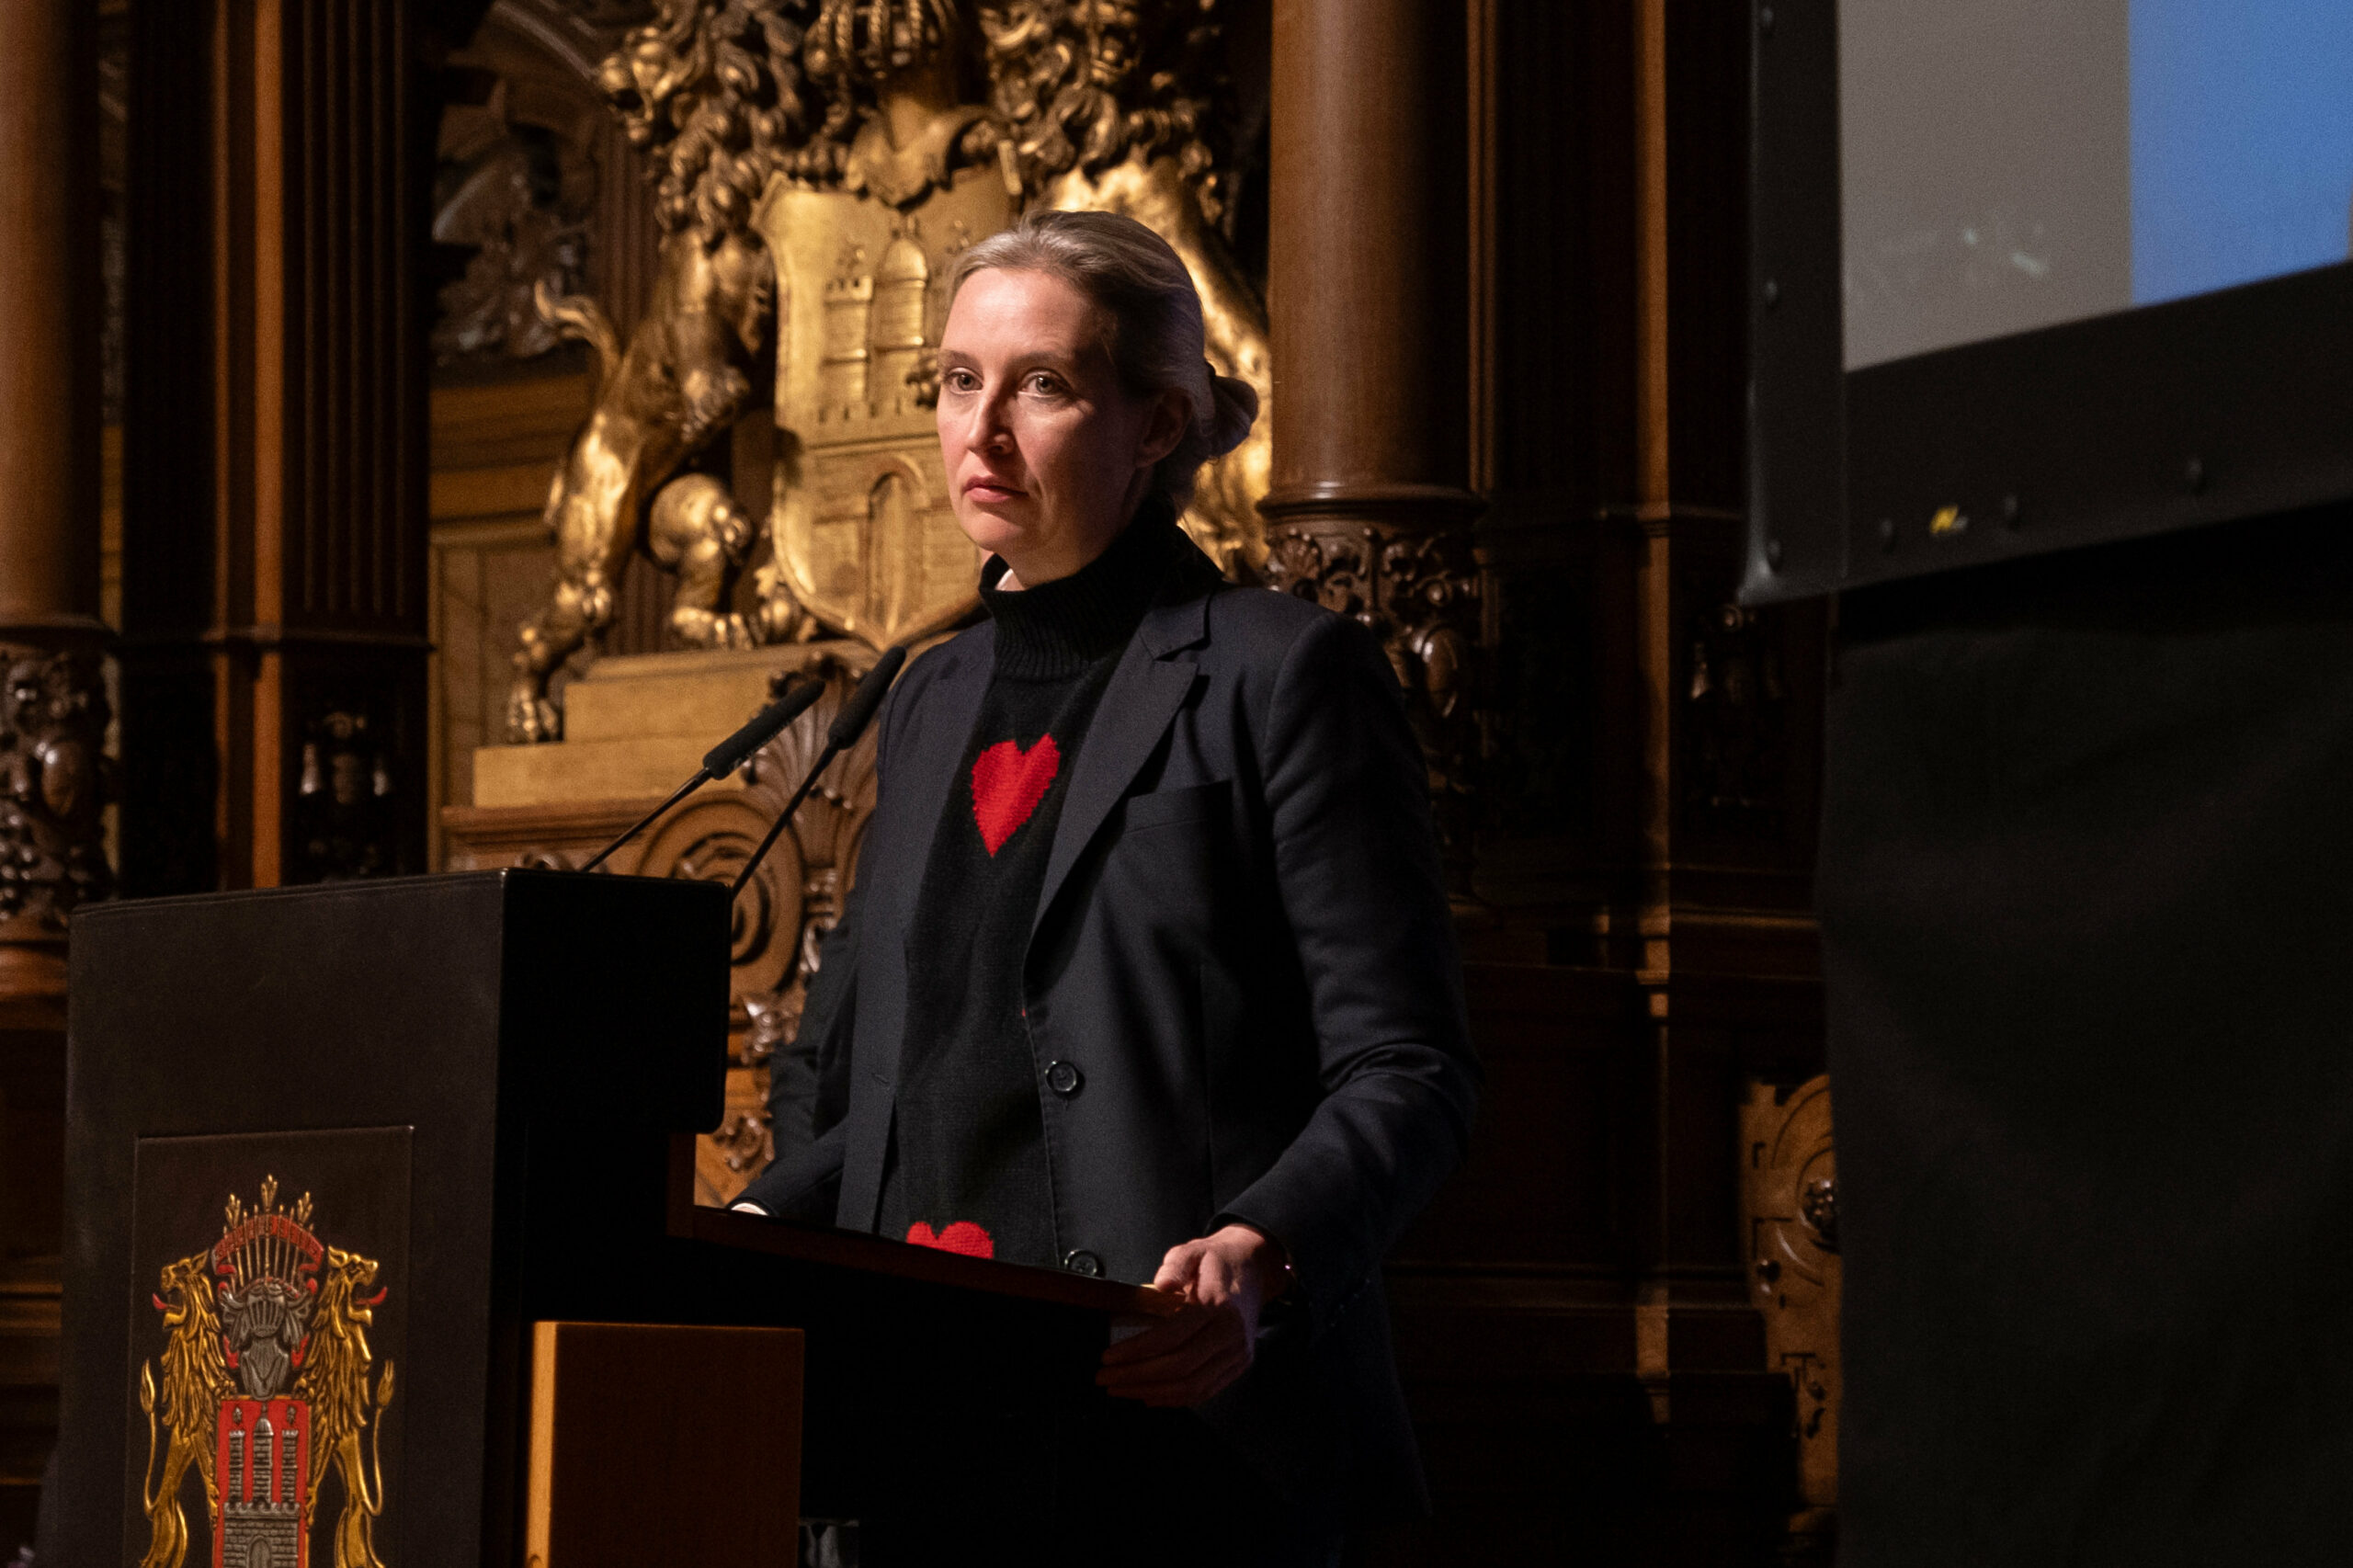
683,379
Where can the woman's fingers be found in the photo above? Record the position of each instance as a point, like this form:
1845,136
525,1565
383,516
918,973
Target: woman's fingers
1189,1387
1178,1269
1189,1357
1161,1339
1215,1278
1182,1361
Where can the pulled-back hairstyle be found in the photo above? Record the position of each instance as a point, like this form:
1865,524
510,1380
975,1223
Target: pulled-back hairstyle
1153,321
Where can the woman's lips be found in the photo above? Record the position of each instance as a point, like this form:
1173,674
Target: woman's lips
989,489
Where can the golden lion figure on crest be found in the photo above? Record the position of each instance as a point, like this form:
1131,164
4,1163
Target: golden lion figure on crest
818,165
196,1378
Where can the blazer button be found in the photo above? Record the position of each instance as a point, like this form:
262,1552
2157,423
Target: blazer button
1085,1262
1064,1078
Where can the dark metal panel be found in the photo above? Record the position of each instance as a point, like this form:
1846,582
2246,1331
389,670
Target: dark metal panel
1797,535
2225,406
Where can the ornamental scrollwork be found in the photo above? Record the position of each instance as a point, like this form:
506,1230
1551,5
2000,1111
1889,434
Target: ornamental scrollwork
1419,591
1790,1200
54,780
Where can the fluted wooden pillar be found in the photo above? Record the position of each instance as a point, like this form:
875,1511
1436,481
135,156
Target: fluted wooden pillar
274,499
1369,505
53,704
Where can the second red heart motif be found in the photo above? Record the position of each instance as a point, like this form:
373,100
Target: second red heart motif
962,1237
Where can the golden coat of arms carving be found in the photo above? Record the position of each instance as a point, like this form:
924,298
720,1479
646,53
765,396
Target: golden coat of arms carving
863,536
268,1389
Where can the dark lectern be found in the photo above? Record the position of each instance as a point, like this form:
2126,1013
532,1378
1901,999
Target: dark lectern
333,1151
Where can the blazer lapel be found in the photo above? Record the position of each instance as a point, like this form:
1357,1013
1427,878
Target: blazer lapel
1145,692
924,778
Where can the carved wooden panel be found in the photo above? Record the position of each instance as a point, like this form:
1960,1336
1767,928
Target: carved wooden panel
1790,1199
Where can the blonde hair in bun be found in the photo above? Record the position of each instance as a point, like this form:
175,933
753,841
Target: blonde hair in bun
1153,321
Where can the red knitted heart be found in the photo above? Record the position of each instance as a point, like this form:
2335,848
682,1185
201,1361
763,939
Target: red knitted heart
962,1236
1007,784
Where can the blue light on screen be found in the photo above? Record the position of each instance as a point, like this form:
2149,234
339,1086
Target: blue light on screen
2242,141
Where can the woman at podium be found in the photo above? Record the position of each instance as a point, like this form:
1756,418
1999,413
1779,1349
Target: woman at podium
1149,973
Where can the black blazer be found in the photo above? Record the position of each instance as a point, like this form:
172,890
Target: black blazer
1244,945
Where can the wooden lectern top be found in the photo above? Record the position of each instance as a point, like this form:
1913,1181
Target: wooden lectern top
864,1253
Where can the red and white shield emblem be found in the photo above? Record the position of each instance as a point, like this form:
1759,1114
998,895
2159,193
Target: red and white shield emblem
263,1462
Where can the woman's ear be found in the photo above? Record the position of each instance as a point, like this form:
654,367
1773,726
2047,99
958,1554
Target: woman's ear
1172,413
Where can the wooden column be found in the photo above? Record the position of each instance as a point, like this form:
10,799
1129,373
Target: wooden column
53,710
1579,1316
1369,505
273,508
52,701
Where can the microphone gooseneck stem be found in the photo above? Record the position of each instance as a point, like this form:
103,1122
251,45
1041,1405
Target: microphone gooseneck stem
848,725
703,777
728,756
776,828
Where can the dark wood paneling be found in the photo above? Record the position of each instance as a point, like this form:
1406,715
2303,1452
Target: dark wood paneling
274,549
1574,1315
354,449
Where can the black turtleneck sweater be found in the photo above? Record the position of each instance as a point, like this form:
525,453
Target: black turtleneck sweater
967,1167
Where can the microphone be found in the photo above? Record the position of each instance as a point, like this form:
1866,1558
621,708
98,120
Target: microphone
848,725
728,756
767,724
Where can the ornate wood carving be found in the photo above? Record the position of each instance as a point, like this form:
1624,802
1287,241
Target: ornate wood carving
1789,1198
345,800
1417,588
519,197
1733,781
54,776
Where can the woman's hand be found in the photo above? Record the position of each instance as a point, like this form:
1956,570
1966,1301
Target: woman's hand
1223,1280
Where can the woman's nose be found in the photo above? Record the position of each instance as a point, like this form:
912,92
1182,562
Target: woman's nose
990,431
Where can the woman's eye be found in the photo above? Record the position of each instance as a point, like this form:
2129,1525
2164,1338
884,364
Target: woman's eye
962,380
1044,385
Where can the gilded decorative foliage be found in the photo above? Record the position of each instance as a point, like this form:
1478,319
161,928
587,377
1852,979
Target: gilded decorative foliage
1069,81
718,92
